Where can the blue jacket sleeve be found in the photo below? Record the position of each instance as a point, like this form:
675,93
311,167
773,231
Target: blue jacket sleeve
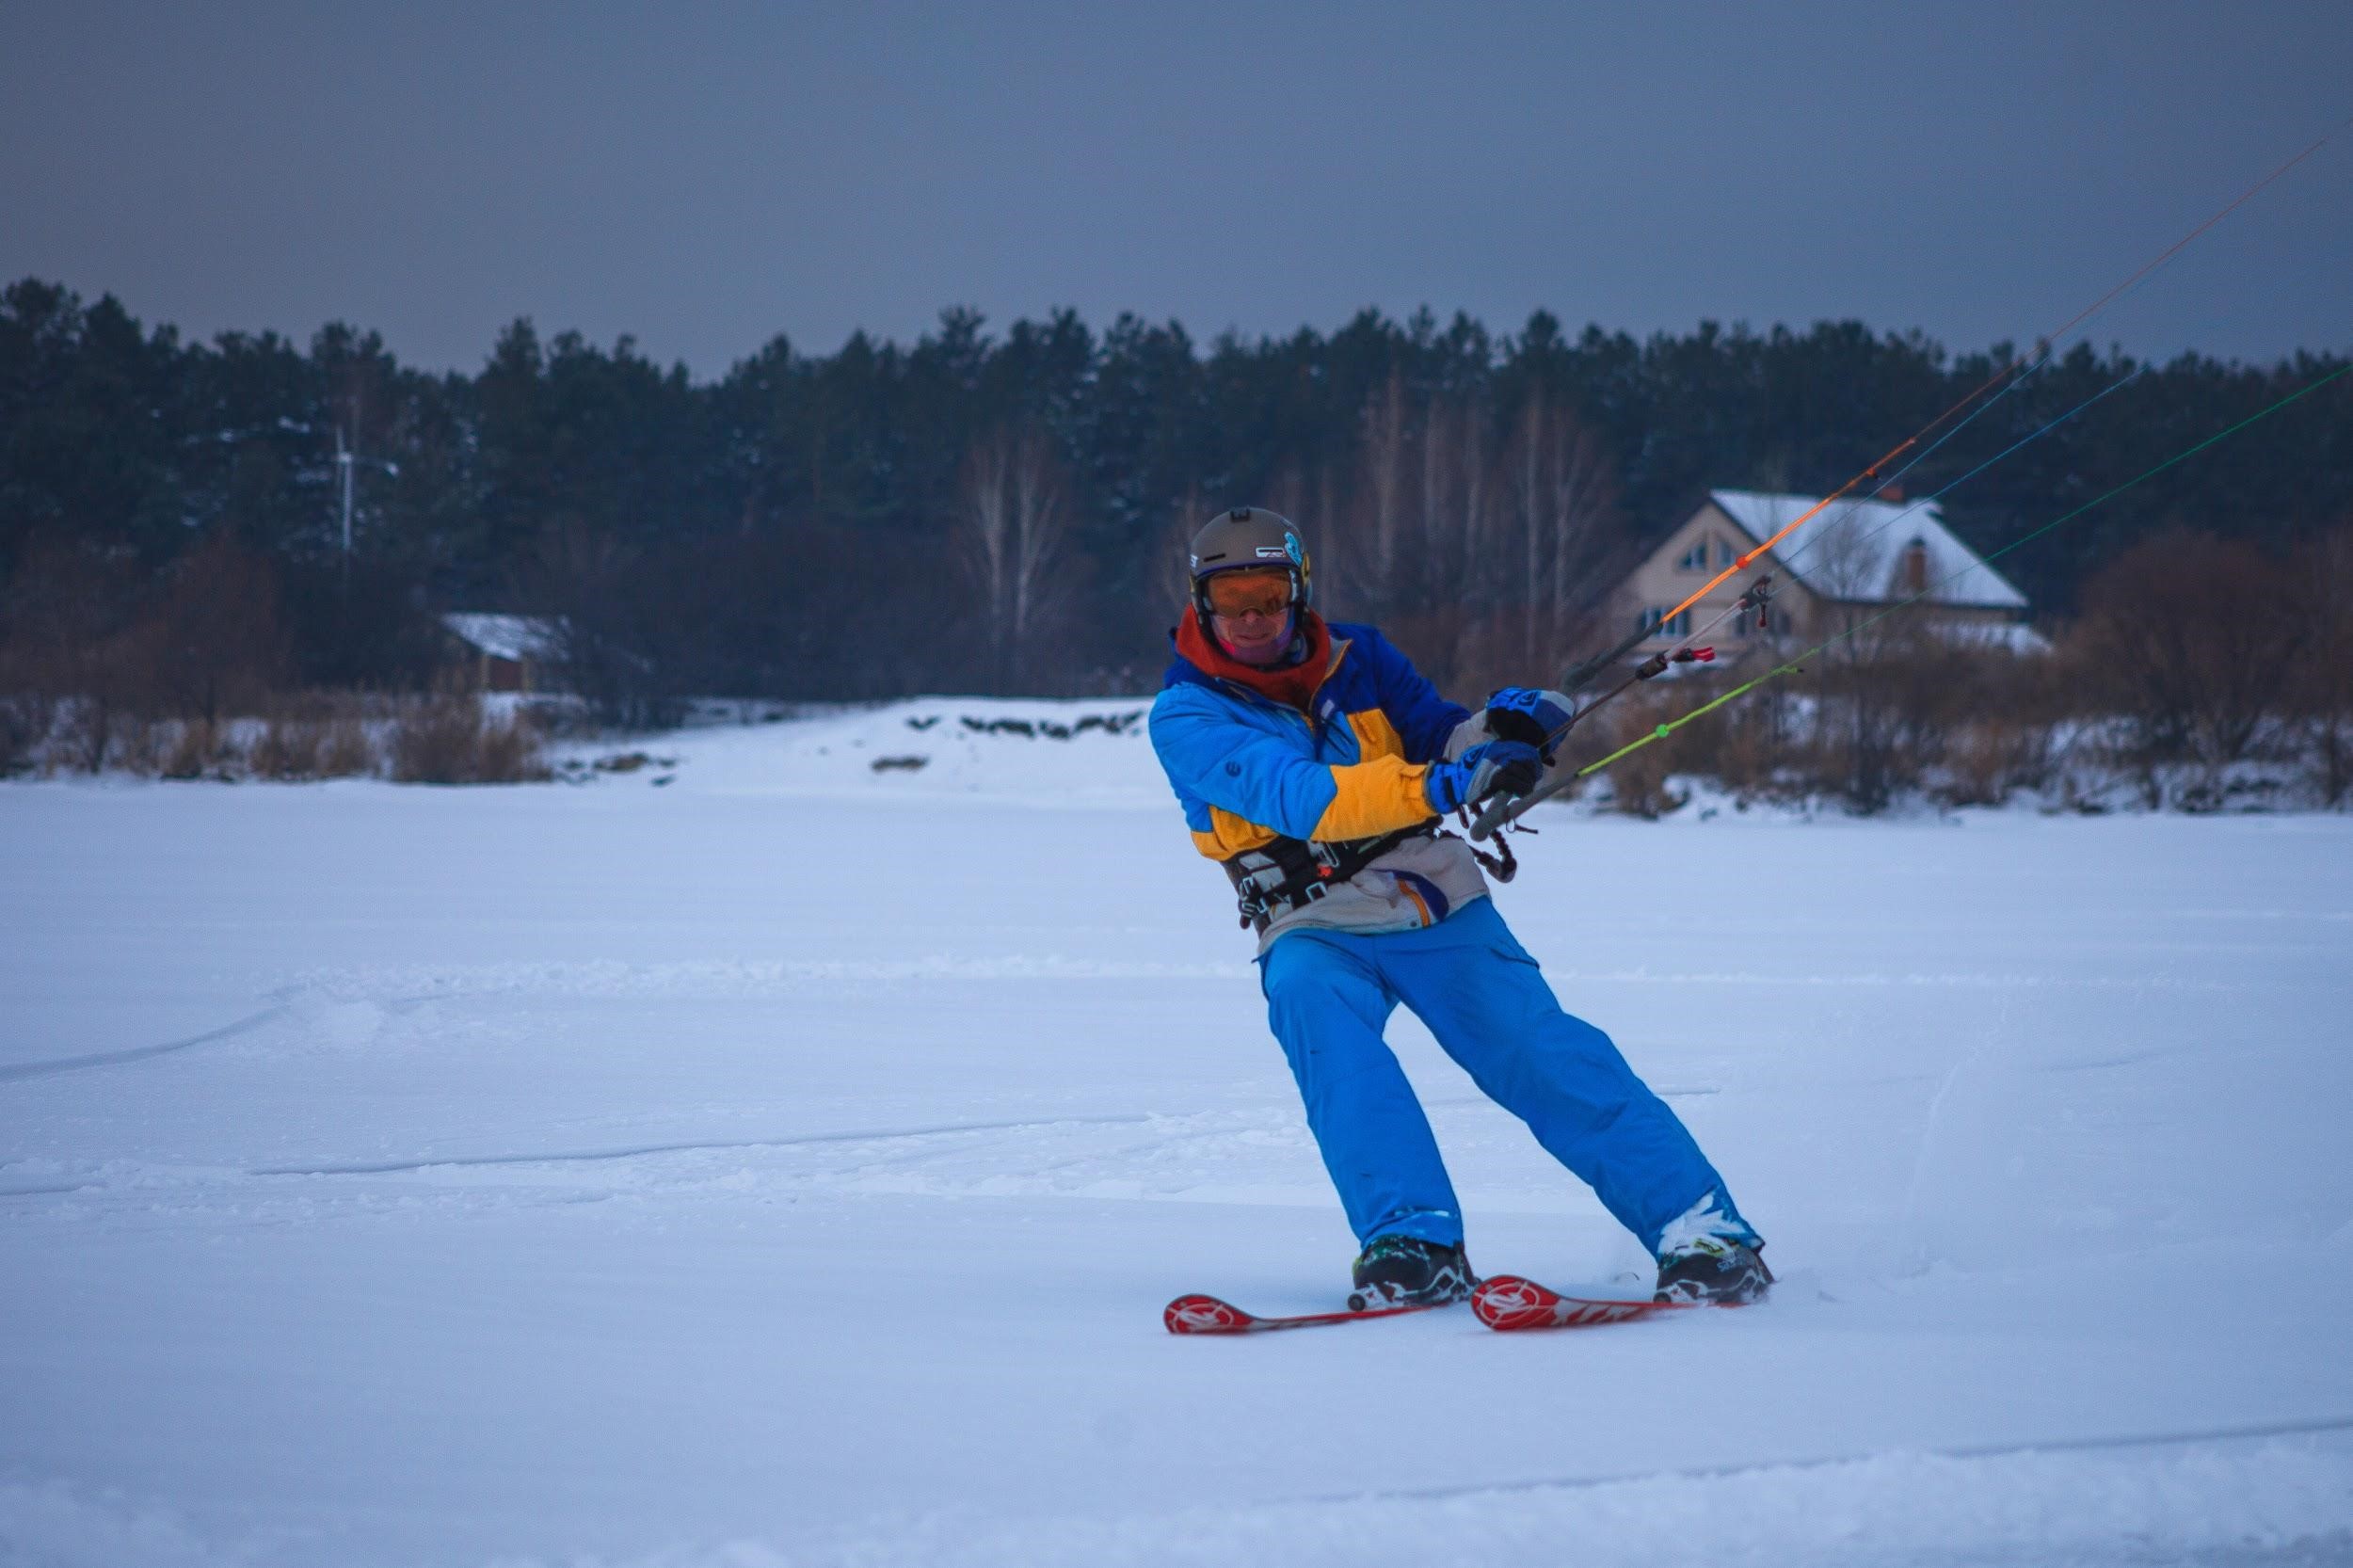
1210,757
1424,720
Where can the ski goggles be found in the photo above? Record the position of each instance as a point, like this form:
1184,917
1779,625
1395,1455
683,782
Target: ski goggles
1266,590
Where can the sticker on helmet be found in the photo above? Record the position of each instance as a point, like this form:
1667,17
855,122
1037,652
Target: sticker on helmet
1268,552
1292,549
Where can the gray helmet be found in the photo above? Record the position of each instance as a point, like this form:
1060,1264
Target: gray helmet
1249,537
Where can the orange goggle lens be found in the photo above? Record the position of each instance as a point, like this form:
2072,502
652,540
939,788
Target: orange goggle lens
1239,593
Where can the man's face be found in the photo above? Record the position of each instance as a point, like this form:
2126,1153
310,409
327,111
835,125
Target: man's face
1251,613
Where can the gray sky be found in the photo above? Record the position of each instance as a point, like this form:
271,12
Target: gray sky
706,176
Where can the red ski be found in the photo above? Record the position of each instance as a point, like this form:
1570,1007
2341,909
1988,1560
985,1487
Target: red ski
1507,1301
1208,1315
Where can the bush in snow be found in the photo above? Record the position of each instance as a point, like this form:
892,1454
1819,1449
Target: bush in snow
449,739
2184,639
2319,687
198,749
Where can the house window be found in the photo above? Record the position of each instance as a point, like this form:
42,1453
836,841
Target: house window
1694,559
1654,621
1725,554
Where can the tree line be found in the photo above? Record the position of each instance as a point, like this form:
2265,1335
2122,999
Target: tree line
1002,510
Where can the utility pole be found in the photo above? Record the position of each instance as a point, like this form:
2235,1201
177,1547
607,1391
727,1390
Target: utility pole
346,461
343,461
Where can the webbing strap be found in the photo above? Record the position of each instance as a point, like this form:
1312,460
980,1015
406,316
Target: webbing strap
1292,871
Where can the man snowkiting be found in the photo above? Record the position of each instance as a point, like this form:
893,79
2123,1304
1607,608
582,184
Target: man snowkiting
1316,764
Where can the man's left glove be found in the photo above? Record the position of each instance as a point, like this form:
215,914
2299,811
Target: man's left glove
1508,767
1536,718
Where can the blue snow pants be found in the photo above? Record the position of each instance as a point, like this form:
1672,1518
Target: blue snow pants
1328,995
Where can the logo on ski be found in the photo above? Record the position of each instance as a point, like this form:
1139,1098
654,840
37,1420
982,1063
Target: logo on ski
1507,1302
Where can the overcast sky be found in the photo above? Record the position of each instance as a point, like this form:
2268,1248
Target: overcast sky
708,176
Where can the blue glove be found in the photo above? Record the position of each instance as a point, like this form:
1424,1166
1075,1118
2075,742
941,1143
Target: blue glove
1541,719
1511,767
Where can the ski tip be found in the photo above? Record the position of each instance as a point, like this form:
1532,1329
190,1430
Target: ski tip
1205,1315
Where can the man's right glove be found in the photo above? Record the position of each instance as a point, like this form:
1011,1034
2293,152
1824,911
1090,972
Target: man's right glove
1525,714
1511,767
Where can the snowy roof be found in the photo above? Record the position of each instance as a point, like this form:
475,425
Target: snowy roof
517,637
1854,549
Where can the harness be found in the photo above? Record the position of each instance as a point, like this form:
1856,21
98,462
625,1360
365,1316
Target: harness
1285,874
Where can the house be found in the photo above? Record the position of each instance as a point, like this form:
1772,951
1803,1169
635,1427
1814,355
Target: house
508,652
1843,565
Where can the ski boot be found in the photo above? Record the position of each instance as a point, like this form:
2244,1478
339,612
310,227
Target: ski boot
1406,1271
1713,1270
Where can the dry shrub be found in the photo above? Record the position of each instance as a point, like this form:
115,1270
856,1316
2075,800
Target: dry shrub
198,749
288,749
25,721
212,632
2012,708
1751,745
2319,686
1755,743
316,735
344,749
2184,637
92,736
1883,712
1991,757
1638,781
448,739
142,743
510,753
1958,721
190,749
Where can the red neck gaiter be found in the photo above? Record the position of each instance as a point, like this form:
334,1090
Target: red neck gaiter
1293,685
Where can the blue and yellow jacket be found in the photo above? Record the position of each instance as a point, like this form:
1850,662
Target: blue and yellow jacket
1247,769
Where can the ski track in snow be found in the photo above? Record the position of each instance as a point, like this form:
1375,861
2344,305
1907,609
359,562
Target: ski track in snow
2240,1499
247,1025
609,1178
955,1160
2266,1503
767,979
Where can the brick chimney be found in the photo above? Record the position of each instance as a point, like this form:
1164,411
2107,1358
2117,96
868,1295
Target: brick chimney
1912,572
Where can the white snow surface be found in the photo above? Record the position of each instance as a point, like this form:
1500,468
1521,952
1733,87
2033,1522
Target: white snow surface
786,1163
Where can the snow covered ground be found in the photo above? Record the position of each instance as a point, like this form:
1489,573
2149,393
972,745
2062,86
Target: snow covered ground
759,1158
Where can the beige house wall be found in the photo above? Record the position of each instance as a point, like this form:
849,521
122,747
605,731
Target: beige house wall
1662,582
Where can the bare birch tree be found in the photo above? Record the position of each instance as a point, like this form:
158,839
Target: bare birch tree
1384,458
1438,539
1016,520
1562,503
